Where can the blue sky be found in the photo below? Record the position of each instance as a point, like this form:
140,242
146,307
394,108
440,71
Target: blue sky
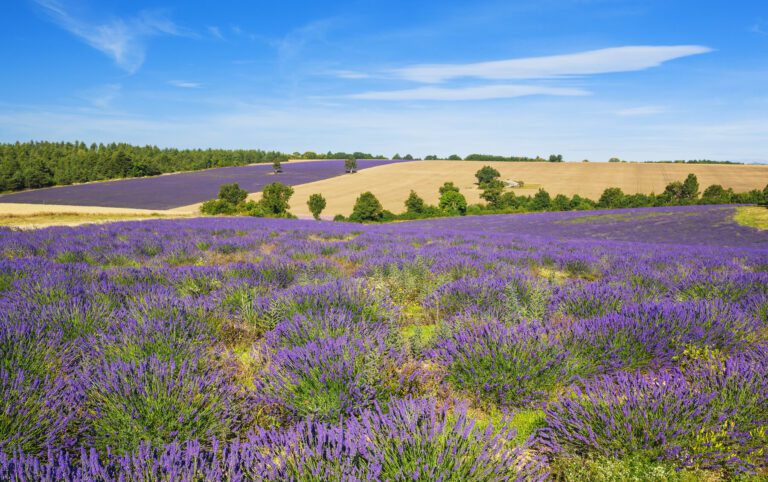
642,80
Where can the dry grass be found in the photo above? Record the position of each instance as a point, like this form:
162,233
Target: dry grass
392,183
754,216
44,219
30,216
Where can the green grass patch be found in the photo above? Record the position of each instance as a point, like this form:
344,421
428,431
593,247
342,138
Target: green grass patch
752,216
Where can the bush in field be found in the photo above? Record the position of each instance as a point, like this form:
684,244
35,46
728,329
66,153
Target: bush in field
541,201
509,365
448,186
367,209
453,203
274,200
230,201
316,204
350,165
612,197
486,175
414,204
35,412
415,440
161,402
217,207
232,193
329,378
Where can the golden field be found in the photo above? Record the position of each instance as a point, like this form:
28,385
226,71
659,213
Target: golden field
392,183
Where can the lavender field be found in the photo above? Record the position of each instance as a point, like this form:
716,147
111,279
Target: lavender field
607,345
175,190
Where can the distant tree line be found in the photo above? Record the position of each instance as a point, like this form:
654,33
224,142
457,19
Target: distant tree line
41,164
337,155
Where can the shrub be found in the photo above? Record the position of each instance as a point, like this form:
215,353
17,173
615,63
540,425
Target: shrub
274,200
653,415
35,412
350,165
232,193
453,203
367,209
448,186
414,204
316,204
328,379
509,365
217,207
161,402
486,175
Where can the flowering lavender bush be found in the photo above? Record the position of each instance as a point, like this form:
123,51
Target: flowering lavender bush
159,402
508,365
328,378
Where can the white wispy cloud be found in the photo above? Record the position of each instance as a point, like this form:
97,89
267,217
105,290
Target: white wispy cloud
184,84
124,40
641,111
103,96
469,93
602,61
215,32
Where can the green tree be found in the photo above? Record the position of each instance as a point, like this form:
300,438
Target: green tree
492,192
396,157
277,166
408,157
232,193
485,175
541,201
350,164
612,197
454,157
614,159
414,204
274,199
316,204
690,188
367,209
430,157
556,158
448,186
561,203
453,202
716,194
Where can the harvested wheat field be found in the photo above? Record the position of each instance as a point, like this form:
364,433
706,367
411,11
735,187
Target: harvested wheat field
392,183
28,216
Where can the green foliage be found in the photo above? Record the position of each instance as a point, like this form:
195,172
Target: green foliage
453,203
492,194
316,204
350,165
274,200
448,186
486,175
613,197
541,201
414,204
556,158
454,157
218,207
614,159
339,218
367,209
232,193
